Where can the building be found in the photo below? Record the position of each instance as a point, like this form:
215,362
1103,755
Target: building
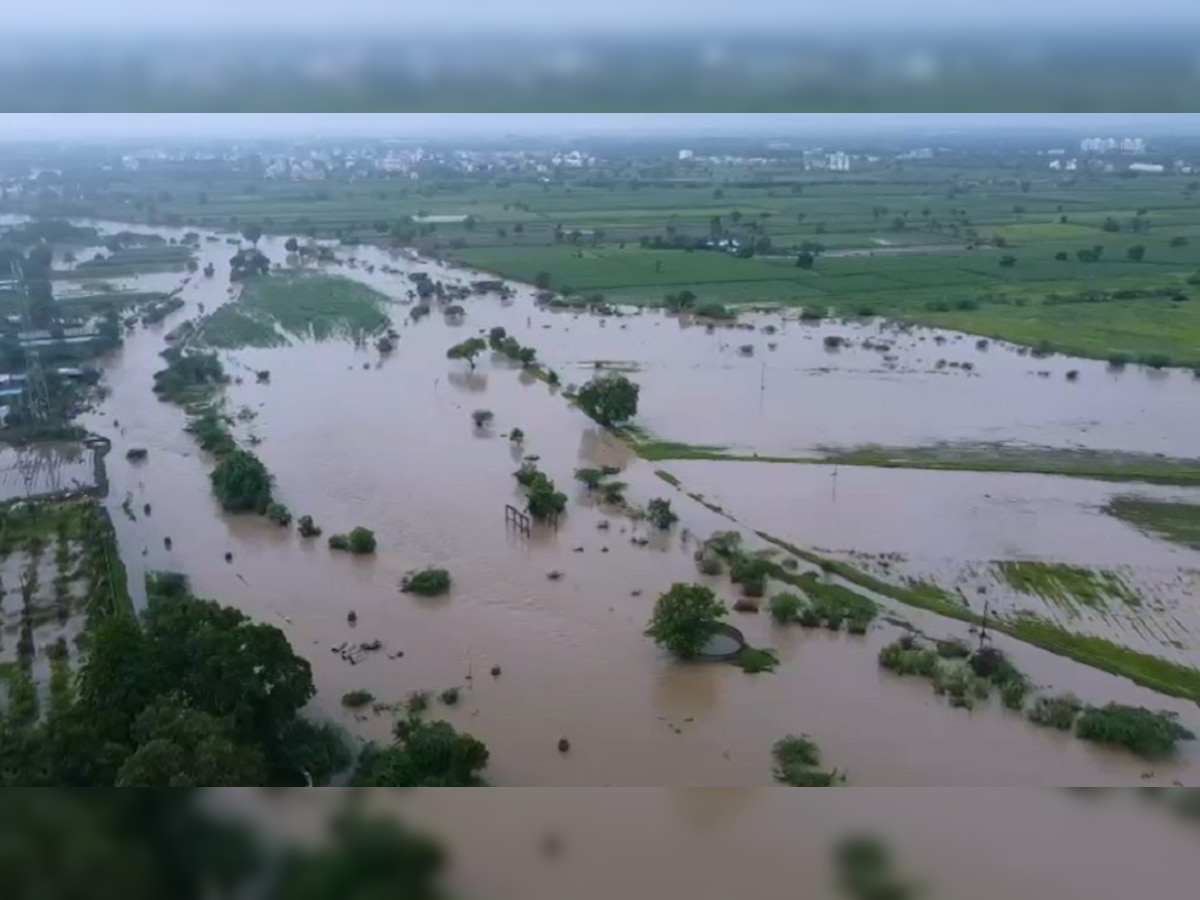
685,154
838,162
1153,168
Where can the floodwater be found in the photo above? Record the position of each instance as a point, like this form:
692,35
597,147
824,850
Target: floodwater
985,843
356,439
41,469
949,527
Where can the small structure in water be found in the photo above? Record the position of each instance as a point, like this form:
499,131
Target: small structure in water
263,376
726,644
136,454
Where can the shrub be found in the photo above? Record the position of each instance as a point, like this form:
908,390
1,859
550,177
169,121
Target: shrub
360,541
685,619
416,702
660,514
1013,693
757,659
517,436
613,492
751,573
1149,734
482,417
241,483
953,649
307,527
1055,712
450,696
709,563
833,341
904,657
714,311
357,699
1118,360
1061,256
426,582
1155,360
279,514
796,762
786,607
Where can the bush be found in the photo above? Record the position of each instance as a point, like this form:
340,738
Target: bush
685,618
279,514
953,649
751,573
426,582
360,541
709,563
1055,712
905,657
1149,734
482,417
307,527
660,514
786,607
1118,360
757,659
714,311
450,696
416,702
241,483
517,436
833,341
357,699
589,478
1155,360
796,762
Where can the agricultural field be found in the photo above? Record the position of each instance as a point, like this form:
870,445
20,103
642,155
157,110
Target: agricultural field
272,312
60,573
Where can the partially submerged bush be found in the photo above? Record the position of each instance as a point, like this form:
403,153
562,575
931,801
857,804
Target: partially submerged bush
279,514
360,541
786,607
757,659
796,763
307,527
416,702
660,514
482,417
357,699
904,657
241,482
1056,712
685,619
517,436
450,696
426,582
953,649
1147,733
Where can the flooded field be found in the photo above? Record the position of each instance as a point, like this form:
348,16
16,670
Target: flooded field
41,469
355,437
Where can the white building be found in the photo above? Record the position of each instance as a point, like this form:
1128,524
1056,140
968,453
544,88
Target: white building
1147,167
685,154
838,162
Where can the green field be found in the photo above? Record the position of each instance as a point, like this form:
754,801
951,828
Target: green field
275,308
1177,522
924,244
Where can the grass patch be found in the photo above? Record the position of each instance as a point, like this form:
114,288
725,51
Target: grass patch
1149,734
302,305
756,659
1064,585
1172,521
797,763
1073,463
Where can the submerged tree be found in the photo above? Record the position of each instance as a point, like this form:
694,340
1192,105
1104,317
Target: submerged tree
609,400
468,350
242,483
685,619
660,514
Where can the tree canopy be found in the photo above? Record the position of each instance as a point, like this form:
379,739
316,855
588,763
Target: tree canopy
192,694
242,483
468,350
685,618
425,754
610,400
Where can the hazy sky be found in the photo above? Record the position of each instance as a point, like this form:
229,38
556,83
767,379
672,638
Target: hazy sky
133,16
19,126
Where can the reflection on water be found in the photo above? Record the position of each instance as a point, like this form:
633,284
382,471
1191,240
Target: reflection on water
392,447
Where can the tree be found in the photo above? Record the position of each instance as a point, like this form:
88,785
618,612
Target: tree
291,245
1111,225
543,499
805,259
252,232
609,400
660,514
1135,253
468,350
425,754
1061,256
542,279
242,483
685,619
181,747
362,541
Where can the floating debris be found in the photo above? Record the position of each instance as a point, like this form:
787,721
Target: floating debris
495,671
554,575
228,556
167,542
563,745
604,525
352,617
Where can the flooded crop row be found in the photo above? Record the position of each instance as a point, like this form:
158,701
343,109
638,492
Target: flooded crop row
386,440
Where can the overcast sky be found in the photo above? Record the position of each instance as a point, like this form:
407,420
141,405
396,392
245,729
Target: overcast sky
20,126
189,16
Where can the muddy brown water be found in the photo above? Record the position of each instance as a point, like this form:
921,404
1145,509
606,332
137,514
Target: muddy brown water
986,843
392,446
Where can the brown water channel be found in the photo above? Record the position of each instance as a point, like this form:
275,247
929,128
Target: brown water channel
391,446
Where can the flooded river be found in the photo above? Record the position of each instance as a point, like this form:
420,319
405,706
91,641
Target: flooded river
356,439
